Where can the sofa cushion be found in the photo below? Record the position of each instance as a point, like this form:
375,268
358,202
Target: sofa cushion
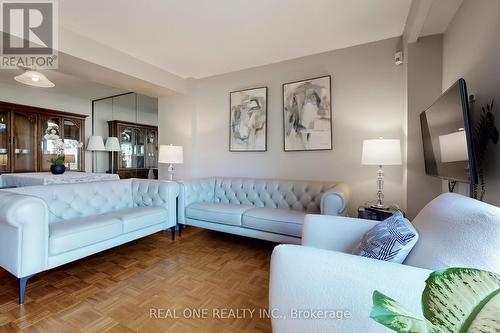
218,213
73,234
390,240
280,221
140,217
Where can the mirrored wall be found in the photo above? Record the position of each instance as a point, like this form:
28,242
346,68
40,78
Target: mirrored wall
133,119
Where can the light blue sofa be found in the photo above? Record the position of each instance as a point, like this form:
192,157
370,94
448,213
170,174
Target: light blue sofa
267,209
42,227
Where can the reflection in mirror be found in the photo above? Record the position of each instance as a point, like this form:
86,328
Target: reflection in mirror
4,143
50,133
138,145
72,151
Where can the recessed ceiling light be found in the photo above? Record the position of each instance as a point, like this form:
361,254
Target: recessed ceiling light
34,78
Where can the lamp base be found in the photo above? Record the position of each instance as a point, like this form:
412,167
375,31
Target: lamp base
380,187
171,172
380,206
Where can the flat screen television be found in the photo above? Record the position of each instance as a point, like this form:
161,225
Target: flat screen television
447,137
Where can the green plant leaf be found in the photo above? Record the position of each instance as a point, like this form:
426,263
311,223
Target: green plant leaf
58,161
393,315
462,300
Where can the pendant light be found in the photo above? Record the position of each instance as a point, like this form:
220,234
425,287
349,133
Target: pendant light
34,78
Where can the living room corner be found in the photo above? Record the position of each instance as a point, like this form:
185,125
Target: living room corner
233,166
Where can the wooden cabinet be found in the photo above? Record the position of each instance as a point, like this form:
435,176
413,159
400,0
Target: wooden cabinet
139,148
23,146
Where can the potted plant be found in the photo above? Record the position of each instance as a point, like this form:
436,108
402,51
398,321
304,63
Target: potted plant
59,147
461,300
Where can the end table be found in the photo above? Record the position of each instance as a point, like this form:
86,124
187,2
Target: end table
371,213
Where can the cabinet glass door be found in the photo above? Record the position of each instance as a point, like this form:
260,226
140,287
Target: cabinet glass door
50,133
126,137
72,149
4,142
139,148
151,153
24,134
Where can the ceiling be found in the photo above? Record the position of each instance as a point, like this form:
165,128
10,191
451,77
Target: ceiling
439,17
200,38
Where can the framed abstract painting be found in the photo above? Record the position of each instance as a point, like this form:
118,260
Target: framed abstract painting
248,120
307,114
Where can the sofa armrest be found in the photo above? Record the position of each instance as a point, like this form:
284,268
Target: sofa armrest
311,279
335,233
24,234
157,193
196,190
335,200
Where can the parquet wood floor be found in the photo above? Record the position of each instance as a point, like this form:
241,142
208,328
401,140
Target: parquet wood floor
119,290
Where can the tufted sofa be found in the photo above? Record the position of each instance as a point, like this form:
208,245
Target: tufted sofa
42,227
261,208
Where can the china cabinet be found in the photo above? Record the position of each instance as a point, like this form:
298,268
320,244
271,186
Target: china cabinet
23,143
139,148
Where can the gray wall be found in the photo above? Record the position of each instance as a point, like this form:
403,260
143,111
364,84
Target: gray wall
471,49
367,103
424,78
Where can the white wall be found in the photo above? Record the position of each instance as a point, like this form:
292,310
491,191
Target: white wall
471,49
424,79
177,126
367,103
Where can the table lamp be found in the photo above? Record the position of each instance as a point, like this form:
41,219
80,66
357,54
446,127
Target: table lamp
112,145
94,144
381,152
170,155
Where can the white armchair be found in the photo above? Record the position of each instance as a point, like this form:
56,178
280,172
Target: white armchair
455,231
305,278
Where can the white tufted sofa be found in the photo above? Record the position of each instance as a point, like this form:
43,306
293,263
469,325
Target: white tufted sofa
454,231
42,227
261,208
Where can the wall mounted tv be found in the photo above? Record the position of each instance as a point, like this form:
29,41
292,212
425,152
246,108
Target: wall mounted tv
447,137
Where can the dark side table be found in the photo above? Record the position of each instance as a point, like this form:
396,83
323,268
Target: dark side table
371,213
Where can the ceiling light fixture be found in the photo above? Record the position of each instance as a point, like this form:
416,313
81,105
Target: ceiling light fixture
34,78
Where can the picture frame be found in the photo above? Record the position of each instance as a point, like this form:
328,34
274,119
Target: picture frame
248,120
307,114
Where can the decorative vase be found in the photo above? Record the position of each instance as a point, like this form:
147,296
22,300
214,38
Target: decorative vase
57,169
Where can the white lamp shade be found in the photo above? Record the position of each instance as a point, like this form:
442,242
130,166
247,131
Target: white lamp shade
381,152
453,147
171,155
112,144
34,78
95,143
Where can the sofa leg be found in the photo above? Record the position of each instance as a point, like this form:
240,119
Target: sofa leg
172,230
22,288
180,229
